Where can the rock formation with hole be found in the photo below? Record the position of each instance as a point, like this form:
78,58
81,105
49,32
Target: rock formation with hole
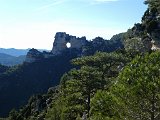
59,45
61,39
78,46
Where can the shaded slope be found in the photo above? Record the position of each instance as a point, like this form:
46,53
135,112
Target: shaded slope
19,83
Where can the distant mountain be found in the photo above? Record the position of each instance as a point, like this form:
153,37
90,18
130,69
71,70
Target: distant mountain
9,60
12,56
16,52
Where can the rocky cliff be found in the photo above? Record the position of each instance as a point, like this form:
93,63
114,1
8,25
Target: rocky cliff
61,39
145,36
35,55
79,45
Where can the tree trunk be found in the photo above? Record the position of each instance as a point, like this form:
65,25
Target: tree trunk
153,106
88,103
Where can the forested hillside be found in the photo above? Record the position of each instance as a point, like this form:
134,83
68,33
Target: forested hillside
102,89
120,85
18,83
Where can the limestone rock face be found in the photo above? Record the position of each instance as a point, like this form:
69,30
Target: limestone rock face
33,55
59,45
155,45
61,39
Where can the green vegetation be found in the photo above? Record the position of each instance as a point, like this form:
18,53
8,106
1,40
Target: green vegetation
120,85
107,86
141,35
153,4
138,87
22,81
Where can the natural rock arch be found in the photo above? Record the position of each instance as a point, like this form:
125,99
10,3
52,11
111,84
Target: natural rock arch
61,39
68,45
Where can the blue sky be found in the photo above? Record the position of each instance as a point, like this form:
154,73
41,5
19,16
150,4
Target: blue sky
33,23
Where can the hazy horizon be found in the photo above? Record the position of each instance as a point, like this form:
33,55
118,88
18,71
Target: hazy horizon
33,24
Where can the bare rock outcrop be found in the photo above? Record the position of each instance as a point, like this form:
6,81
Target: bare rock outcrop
33,55
59,45
61,39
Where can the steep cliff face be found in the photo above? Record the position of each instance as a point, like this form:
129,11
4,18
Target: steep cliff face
61,39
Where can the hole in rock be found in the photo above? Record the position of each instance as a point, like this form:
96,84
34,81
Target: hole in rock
68,45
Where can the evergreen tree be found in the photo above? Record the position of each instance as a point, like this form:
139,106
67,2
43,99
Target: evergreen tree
139,87
153,4
80,85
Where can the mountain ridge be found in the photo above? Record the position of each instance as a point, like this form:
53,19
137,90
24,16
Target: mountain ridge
10,60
